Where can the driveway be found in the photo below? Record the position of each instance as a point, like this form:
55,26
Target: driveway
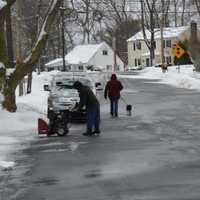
151,155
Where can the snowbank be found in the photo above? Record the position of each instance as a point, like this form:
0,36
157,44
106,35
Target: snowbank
37,100
21,126
184,77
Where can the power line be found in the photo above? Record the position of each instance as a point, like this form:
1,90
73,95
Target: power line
139,12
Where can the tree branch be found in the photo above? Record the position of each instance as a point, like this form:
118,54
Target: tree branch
9,3
28,65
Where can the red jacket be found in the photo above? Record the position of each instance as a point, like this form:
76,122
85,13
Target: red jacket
113,88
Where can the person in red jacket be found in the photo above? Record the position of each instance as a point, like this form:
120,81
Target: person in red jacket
112,90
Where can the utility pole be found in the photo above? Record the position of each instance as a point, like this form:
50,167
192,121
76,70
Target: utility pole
38,29
162,42
161,34
62,9
18,40
114,54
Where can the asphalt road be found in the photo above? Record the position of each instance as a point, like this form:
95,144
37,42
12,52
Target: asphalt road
151,155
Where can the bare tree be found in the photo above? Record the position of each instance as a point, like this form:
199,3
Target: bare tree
27,65
85,20
148,17
183,13
162,15
119,24
175,4
197,3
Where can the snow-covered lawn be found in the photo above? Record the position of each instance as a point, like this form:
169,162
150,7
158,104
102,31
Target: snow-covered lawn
183,78
16,128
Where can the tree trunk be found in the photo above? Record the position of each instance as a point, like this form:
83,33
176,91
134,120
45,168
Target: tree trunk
9,98
19,41
3,48
9,38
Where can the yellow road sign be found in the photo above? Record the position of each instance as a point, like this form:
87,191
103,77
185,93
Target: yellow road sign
177,50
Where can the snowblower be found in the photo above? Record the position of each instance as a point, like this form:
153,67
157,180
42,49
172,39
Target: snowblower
58,124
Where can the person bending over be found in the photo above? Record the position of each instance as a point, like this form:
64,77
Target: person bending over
89,100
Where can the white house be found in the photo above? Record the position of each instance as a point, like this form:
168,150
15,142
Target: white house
139,54
90,56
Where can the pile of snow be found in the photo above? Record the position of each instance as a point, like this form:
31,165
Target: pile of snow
2,4
183,77
37,100
15,128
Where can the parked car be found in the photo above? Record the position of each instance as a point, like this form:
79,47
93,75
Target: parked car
62,97
135,68
158,65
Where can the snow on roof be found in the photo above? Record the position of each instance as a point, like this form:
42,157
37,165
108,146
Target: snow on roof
80,54
170,32
2,4
54,63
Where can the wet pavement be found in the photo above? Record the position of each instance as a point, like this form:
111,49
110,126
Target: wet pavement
151,155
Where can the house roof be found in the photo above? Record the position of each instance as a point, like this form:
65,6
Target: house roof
80,54
170,32
54,63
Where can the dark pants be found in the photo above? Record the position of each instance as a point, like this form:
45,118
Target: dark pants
114,107
93,118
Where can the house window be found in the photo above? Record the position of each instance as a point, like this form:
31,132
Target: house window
80,67
147,62
167,44
105,52
139,47
109,67
135,62
139,62
69,67
134,47
168,60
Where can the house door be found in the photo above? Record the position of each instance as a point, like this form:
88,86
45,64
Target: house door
147,62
